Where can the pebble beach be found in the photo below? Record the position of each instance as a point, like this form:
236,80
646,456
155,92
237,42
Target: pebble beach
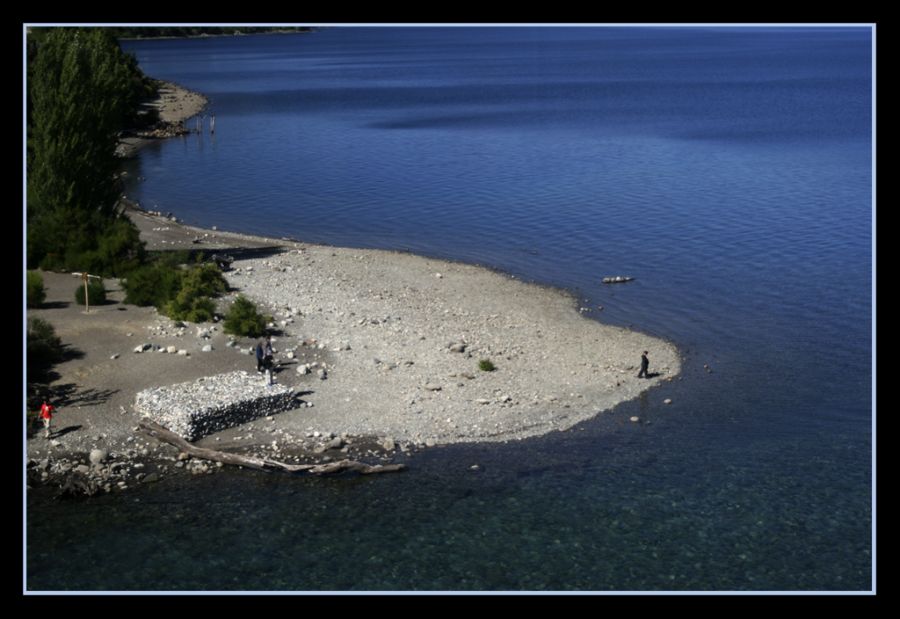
383,349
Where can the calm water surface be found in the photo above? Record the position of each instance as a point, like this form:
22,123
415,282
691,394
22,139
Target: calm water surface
729,170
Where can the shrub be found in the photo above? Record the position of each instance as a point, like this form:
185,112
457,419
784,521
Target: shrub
244,319
486,366
186,306
35,289
153,284
43,348
205,280
96,292
193,302
180,294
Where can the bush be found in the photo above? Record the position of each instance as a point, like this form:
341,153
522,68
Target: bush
244,319
486,366
186,306
108,248
43,348
96,292
205,280
180,294
35,289
193,302
153,284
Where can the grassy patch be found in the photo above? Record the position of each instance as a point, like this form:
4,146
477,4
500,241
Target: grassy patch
485,365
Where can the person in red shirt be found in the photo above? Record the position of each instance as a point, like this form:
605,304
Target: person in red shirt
46,416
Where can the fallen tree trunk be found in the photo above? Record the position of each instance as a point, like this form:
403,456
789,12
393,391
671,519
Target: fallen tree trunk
167,436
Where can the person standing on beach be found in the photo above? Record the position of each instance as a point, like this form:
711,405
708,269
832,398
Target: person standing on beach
645,363
260,356
268,360
46,417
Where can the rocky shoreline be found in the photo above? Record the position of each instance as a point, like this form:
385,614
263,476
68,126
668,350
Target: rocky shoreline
175,105
382,349
385,351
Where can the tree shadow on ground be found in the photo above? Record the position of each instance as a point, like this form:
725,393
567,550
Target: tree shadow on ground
53,305
41,372
69,353
204,254
68,395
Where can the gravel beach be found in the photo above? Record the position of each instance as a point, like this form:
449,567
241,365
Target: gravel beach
382,349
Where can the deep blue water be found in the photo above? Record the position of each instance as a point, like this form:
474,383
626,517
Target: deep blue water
728,169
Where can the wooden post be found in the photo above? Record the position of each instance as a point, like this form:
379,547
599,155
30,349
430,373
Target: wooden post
87,301
85,277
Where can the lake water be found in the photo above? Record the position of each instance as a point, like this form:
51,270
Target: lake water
729,170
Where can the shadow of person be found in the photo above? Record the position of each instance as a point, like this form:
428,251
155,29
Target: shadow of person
64,431
652,374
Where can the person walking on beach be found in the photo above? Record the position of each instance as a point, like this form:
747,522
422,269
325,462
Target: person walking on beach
645,363
46,417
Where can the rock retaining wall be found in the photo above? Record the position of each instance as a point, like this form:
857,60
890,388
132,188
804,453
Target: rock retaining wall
198,408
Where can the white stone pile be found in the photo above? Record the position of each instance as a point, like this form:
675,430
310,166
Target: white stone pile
198,408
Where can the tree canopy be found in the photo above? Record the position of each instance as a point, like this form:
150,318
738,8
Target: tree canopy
82,91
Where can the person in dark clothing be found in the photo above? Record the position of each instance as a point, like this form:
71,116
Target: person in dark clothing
645,363
260,356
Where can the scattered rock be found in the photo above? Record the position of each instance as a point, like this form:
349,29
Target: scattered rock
171,350
667,401
150,478
388,444
113,357
98,455
635,419
457,347
336,443
207,348
432,387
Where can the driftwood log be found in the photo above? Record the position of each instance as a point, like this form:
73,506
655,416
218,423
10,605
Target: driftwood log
167,436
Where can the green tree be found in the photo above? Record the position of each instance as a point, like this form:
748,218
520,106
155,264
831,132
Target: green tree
80,92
